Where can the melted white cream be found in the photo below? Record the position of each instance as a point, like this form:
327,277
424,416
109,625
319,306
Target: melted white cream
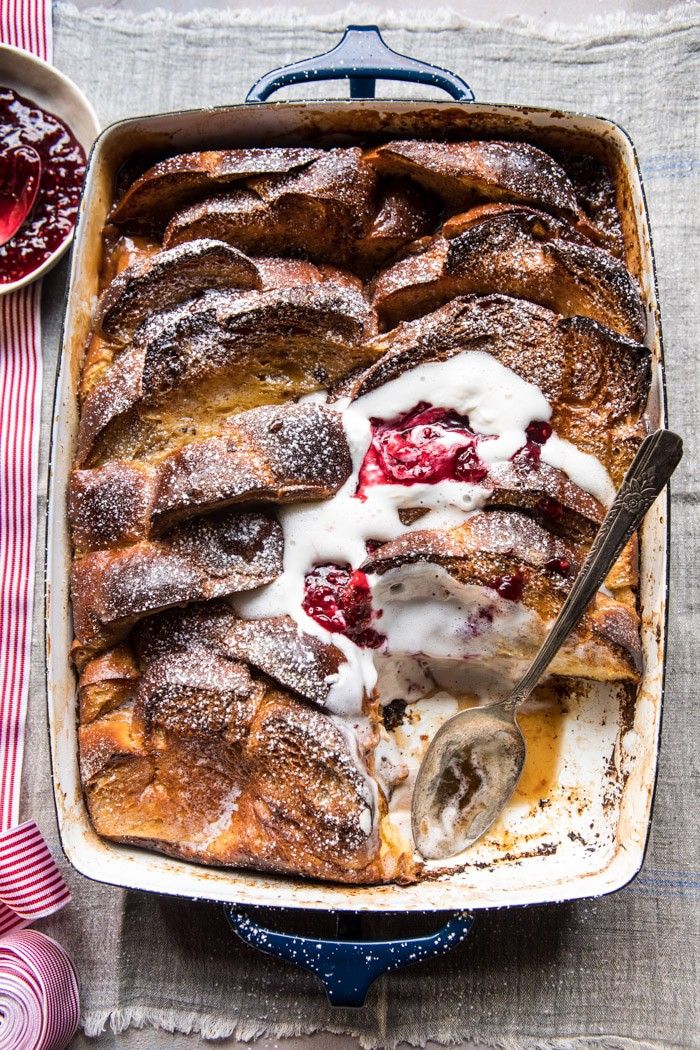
499,404
426,612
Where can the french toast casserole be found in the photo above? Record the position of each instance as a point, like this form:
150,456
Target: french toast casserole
350,418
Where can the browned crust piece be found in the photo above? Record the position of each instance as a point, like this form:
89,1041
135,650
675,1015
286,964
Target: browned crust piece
464,172
206,558
596,381
493,545
168,278
318,212
187,353
275,646
211,764
404,214
512,250
106,682
272,454
265,274
151,200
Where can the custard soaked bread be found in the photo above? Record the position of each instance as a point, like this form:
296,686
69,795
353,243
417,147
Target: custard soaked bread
351,418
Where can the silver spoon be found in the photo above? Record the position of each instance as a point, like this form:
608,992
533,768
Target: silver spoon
474,762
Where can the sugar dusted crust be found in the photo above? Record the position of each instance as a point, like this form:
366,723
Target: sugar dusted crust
237,287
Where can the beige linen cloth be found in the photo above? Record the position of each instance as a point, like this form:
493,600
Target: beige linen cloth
603,972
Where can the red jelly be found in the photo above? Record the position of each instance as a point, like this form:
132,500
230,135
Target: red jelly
63,167
509,587
550,507
538,432
339,599
425,445
562,566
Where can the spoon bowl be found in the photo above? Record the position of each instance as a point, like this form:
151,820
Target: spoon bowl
474,762
469,773
20,175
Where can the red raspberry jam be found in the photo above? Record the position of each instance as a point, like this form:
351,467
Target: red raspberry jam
538,431
339,599
425,445
550,507
562,566
530,454
63,167
509,587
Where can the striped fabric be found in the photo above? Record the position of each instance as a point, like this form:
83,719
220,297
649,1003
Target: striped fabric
39,1001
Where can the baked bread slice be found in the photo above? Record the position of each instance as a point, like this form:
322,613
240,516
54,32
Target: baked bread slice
189,367
466,172
299,662
513,250
209,762
271,454
205,558
403,214
595,380
317,212
150,201
168,278
506,577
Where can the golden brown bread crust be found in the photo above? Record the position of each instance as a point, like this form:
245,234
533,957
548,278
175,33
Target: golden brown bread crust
462,172
317,212
497,545
168,278
106,682
595,380
210,763
403,215
152,199
205,558
267,455
299,662
218,344
517,251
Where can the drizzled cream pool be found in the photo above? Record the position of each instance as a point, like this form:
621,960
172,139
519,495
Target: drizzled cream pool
486,412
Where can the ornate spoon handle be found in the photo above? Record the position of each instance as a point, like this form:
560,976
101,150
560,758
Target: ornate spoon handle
657,458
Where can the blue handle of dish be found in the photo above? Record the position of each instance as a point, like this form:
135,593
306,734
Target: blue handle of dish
361,57
347,968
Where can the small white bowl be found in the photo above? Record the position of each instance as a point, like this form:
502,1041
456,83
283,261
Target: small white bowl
37,80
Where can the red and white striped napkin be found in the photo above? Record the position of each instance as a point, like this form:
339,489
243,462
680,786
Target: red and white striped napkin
39,1004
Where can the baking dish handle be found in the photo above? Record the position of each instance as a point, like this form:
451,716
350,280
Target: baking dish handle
361,57
348,966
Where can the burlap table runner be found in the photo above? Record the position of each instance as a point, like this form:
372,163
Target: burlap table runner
607,971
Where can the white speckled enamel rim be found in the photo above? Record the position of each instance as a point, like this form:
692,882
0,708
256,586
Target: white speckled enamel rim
42,83
592,837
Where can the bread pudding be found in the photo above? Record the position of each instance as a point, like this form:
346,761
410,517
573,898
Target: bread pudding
350,419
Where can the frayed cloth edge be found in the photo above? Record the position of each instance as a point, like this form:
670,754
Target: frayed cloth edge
211,1027
604,28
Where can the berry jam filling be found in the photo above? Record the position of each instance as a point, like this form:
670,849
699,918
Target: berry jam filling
339,599
425,445
562,566
538,431
509,587
530,454
53,216
550,507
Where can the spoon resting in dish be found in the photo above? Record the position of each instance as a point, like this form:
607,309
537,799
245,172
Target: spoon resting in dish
474,762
